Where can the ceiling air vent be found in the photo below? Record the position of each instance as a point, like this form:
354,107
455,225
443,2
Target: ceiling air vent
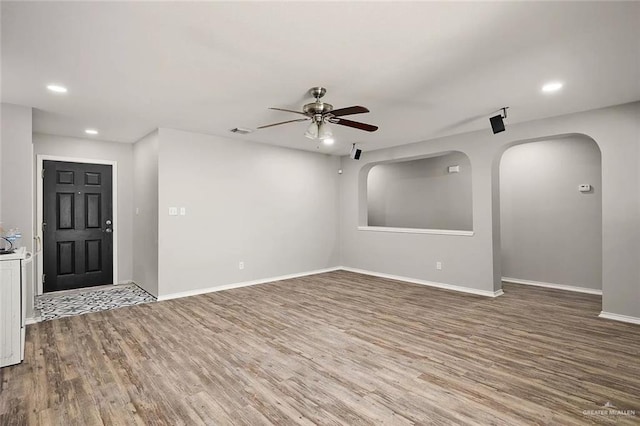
240,130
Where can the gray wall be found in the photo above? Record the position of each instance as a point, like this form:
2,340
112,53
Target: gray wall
16,180
275,209
551,232
421,193
17,171
122,153
475,261
145,212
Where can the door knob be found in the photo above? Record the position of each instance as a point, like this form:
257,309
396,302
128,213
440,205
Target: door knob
108,230
108,222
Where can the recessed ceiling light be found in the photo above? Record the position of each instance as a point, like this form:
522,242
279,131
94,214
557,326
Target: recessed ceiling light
553,86
328,141
91,131
57,88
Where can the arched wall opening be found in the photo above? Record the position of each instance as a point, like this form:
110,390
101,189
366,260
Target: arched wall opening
548,228
429,193
472,260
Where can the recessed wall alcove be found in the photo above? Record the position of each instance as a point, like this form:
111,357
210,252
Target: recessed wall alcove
426,194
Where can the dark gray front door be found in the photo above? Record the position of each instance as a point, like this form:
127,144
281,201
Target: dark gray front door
78,225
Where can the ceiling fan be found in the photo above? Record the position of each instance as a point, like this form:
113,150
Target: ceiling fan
321,113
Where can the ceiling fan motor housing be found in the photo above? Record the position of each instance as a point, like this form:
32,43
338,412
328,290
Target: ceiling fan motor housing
317,108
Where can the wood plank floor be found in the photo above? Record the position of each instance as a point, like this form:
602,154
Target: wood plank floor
335,348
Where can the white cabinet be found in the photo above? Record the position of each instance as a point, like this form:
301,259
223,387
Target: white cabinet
12,307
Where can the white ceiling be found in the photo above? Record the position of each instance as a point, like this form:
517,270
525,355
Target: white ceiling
424,69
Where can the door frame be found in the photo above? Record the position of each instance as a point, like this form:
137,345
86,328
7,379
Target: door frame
40,159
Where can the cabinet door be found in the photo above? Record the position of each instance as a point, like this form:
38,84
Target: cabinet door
10,329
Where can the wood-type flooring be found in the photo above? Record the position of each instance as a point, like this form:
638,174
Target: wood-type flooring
335,348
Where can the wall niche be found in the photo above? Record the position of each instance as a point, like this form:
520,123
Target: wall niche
424,193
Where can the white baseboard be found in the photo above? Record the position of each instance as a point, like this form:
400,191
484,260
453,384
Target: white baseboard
444,286
32,320
243,284
553,285
618,317
196,292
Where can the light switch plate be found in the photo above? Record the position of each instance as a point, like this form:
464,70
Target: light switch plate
173,211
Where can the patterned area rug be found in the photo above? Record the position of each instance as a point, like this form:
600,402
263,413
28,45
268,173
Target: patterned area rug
78,302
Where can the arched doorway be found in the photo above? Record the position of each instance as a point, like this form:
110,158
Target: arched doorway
550,213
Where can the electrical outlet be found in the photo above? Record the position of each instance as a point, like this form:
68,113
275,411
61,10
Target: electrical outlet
173,211
240,265
439,266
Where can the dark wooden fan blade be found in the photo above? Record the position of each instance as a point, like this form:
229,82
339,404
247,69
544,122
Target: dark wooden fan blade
288,110
349,111
282,122
357,125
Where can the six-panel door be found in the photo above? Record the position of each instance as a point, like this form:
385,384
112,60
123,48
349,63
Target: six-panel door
78,228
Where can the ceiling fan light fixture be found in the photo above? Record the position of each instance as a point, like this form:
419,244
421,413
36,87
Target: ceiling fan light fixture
312,131
324,131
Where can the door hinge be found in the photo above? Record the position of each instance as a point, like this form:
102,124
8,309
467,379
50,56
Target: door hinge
44,225
44,277
42,174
